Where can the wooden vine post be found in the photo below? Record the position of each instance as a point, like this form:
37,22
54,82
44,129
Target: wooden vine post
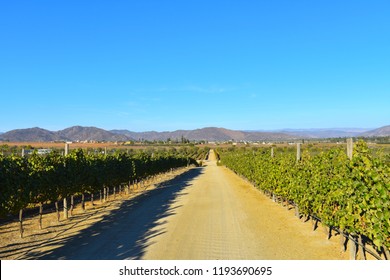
362,251
343,241
298,152
21,229
83,202
297,214
65,208
349,148
40,215
65,200
71,205
66,149
353,247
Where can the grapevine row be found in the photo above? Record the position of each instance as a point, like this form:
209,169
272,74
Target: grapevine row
37,179
351,195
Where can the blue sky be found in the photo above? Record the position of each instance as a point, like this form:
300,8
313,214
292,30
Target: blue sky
167,65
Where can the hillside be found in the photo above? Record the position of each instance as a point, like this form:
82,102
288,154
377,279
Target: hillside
34,134
206,134
80,133
75,133
325,132
382,131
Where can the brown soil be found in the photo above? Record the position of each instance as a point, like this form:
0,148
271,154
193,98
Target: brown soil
203,213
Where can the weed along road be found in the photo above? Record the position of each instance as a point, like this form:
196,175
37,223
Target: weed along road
207,213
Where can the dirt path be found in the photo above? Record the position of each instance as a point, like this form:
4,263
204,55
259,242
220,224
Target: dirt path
220,216
205,213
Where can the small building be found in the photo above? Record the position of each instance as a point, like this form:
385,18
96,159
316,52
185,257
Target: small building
44,151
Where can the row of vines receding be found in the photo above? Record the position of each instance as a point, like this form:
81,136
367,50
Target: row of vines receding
36,180
352,195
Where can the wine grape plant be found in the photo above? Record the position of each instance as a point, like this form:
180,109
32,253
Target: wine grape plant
37,180
351,195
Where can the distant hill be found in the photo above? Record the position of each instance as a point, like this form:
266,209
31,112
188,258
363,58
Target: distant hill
75,133
81,133
325,132
34,134
382,131
149,135
206,134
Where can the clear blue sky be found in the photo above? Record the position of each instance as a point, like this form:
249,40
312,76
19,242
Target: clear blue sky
167,65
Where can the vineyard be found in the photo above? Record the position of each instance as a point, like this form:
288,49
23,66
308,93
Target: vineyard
28,182
351,196
347,193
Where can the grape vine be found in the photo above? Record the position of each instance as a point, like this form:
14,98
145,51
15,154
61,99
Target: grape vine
38,179
352,195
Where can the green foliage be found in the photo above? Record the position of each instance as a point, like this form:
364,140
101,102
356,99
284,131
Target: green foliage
353,195
39,179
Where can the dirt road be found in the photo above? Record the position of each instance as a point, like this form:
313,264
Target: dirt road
206,213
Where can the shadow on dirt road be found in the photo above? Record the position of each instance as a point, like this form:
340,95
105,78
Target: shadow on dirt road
125,232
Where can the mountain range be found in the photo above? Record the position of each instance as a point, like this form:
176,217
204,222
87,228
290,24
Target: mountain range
326,132
379,132
81,133
207,134
75,133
